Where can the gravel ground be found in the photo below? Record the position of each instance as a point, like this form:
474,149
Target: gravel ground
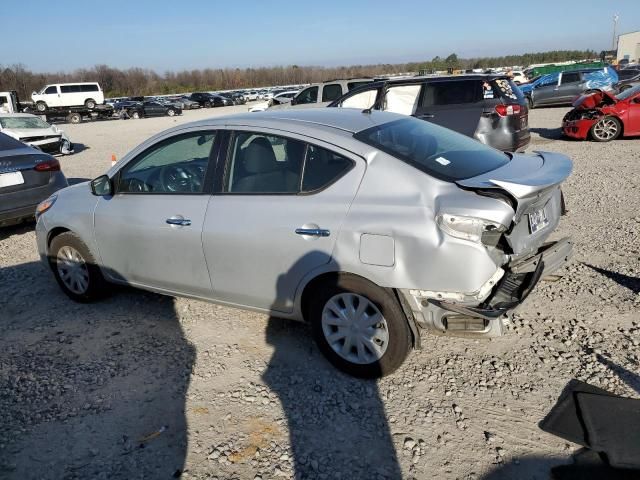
145,386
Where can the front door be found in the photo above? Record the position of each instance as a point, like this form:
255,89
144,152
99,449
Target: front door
272,224
570,87
149,232
52,96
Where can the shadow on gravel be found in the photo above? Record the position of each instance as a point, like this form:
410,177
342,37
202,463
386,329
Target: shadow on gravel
632,283
19,229
337,424
632,379
548,133
89,390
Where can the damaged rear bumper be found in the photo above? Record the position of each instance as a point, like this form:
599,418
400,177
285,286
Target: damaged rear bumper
520,278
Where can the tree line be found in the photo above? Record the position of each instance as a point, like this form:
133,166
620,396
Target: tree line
140,81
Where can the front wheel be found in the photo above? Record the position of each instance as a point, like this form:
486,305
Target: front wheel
135,115
171,112
359,327
606,129
75,269
41,106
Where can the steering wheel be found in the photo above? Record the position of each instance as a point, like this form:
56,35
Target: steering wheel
181,178
136,185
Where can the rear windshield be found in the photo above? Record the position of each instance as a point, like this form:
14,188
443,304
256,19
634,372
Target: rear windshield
503,88
437,151
628,93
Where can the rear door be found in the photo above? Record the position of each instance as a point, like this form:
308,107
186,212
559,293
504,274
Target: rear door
571,86
453,104
272,224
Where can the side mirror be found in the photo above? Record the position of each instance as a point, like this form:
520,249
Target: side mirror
102,186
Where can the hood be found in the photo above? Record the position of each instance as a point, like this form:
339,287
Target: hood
526,178
586,102
30,132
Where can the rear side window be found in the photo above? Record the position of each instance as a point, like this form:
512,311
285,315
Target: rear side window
451,93
571,77
89,88
331,92
322,168
437,151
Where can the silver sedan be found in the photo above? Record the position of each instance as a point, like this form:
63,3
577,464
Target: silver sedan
370,226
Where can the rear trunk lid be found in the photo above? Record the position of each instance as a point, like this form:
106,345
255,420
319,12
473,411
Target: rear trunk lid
533,184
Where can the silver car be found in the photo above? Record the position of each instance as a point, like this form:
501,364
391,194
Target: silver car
369,226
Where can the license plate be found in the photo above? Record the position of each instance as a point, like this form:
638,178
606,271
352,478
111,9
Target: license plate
10,179
538,220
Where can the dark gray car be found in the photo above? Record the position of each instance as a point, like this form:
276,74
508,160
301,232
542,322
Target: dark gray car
562,90
27,177
489,108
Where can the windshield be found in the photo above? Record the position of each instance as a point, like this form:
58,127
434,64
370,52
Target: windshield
628,93
23,122
438,151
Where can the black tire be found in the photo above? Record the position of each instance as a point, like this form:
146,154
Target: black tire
207,104
96,285
41,106
399,335
74,118
606,129
90,103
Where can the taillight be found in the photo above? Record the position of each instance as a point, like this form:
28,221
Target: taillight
49,165
505,110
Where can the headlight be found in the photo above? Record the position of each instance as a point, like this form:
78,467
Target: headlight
45,205
467,228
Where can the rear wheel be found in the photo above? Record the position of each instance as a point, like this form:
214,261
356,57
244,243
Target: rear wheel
90,103
75,269
359,327
41,106
606,129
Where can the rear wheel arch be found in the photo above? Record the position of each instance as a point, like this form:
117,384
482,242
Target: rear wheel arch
332,278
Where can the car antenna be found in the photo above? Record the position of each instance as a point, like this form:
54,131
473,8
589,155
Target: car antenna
375,104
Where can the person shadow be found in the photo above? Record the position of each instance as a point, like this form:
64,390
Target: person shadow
337,424
90,390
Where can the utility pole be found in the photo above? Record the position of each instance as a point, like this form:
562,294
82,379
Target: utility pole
616,17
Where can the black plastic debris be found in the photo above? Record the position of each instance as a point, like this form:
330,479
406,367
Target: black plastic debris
605,423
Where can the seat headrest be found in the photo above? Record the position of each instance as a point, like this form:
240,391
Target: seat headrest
259,157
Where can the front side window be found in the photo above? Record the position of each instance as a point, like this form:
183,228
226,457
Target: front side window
437,151
451,93
51,90
310,95
331,92
361,100
173,166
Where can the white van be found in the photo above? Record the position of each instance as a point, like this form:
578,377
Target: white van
88,94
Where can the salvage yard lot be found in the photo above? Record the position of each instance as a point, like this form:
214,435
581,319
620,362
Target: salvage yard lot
145,386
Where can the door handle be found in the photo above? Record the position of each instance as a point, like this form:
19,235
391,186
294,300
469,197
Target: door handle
313,232
427,115
182,222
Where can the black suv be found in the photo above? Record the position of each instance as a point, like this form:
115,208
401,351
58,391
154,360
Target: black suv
489,108
207,100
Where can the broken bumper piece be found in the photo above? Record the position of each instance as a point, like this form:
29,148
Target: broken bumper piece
520,278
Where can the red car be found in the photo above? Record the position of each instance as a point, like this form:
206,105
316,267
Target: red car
603,116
